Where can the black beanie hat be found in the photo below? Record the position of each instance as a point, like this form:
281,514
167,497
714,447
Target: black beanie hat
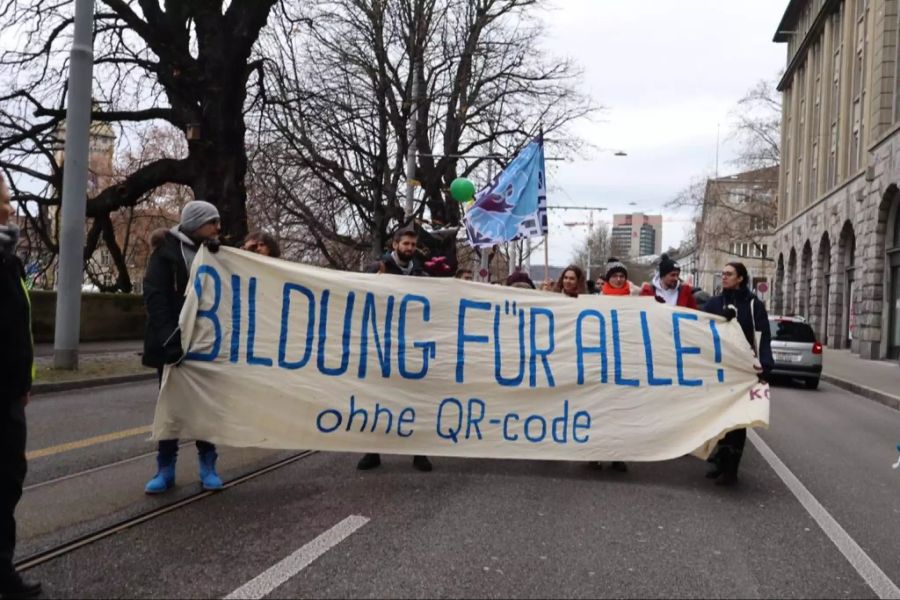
614,265
667,265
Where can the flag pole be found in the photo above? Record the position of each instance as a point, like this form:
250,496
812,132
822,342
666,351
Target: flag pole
546,257
547,215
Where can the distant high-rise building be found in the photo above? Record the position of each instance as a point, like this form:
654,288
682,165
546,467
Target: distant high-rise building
636,235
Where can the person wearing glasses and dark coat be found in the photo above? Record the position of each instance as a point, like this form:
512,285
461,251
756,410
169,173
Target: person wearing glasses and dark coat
738,301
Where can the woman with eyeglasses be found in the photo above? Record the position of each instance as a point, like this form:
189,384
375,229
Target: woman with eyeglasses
738,301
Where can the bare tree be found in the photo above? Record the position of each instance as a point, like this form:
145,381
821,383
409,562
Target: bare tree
595,250
190,64
336,119
756,126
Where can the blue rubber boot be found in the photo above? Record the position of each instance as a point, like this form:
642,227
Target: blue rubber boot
164,478
208,476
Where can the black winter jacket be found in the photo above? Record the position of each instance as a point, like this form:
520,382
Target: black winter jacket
392,268
165,282
16,349
741,300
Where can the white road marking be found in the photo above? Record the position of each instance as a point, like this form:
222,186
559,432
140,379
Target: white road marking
266,582
856,556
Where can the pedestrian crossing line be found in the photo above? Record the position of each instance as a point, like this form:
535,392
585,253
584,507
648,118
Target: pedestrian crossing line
871,573
266,582
86,443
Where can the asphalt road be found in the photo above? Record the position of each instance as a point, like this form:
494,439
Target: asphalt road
471,528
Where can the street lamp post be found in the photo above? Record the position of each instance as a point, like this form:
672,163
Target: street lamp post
74,192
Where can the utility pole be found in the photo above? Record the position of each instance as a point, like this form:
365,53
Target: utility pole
74,192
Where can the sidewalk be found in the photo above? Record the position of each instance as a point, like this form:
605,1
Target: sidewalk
877,380
85,348
99,363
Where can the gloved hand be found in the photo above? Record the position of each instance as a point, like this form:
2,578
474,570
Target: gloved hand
730,312
172,350
213,245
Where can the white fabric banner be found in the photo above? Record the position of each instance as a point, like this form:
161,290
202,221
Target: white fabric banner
282,355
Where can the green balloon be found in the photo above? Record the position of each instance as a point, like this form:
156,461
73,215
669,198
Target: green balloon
462,189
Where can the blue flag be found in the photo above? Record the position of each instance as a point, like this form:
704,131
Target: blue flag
514,205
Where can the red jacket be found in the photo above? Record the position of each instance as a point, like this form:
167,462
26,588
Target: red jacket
685,295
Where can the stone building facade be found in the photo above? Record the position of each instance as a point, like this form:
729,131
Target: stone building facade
837,242
736,221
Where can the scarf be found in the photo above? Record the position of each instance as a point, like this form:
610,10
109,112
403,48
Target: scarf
670,296
188,246
406,270
609,290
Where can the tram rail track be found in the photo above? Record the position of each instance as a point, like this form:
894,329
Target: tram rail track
59,550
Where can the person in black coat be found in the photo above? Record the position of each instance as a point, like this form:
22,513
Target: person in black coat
16,372
400,261
737,301
165,283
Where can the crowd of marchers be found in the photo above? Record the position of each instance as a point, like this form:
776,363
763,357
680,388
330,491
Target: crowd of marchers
165,285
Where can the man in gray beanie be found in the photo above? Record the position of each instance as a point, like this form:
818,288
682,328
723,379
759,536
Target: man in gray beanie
165,282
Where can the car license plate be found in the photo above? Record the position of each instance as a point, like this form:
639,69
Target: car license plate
783,357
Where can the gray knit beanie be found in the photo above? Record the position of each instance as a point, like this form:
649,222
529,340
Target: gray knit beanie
196,214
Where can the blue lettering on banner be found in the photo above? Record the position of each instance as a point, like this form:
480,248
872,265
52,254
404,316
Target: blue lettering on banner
462,337
369,321
451,432
648,354
617,353
429,349
717,349
581,421
210,313
472,420
600,349
498,375
543,353
357,419
407,416
283,362
252,359
680,350
337,420
235,318
535,419
345,338
506,420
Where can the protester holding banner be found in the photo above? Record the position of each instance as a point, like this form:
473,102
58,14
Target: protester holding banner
165,283
736,300
615,282
571,282
16,359
520,279
400,261
667,286
262,242
464,274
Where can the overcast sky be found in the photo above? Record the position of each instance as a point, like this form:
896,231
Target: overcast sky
668,72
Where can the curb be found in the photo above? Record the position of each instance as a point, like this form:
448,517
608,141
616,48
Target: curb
80,384
888,400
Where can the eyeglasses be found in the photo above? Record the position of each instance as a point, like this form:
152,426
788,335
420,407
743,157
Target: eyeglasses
729,273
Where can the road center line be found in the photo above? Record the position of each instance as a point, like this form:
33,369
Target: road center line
100,439
266,582
856,556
